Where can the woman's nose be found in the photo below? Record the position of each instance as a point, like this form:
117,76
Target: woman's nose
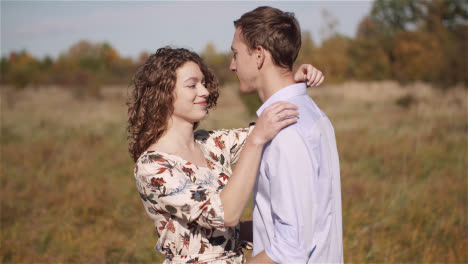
203,92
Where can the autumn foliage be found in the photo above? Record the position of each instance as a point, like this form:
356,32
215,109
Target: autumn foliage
404,40
84,68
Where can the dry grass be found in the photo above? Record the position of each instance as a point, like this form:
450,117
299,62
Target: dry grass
68,194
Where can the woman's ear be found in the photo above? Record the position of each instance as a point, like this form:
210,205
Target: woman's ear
260,56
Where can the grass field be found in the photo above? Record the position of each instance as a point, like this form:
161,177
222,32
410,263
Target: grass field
68,193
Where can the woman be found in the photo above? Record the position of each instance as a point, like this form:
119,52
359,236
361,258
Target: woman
183,176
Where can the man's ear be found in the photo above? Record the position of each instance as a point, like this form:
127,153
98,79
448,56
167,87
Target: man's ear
260,56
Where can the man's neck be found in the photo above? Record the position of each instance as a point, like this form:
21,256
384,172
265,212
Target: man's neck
273,81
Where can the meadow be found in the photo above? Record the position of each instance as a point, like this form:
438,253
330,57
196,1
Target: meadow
68,193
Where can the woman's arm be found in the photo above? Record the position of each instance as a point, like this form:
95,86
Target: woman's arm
236,137
237,191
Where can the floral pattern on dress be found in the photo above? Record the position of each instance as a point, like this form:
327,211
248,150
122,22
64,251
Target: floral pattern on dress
183,199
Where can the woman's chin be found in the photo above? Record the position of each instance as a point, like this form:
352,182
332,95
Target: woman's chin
200,118
204,117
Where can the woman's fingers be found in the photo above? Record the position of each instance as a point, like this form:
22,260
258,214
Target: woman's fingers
287,113
317,78
311,75
320,81
288,121
273,119
279,111
280,106
301,73
283,111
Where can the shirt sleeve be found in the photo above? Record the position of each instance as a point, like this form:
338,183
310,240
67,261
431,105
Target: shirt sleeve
292,169
166,189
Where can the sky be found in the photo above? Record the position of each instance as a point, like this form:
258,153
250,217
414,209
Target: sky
131,27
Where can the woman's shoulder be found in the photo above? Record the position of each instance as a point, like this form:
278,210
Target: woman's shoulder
222,140
203,136
151,157
151,162
214,140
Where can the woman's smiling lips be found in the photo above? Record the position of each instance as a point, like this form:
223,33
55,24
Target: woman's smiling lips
202,103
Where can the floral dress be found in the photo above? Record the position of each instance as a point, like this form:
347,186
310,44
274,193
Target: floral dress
183,199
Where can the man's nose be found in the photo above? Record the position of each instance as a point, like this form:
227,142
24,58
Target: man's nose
232,67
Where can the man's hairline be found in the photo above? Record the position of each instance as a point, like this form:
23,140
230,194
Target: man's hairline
250,50
241,34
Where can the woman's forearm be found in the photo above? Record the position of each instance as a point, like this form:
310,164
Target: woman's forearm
238,190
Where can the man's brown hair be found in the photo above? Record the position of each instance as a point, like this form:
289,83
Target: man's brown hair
275,30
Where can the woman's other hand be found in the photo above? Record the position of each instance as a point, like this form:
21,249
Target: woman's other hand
274,118
309,74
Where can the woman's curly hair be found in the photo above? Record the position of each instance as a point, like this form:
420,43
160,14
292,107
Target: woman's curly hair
150,103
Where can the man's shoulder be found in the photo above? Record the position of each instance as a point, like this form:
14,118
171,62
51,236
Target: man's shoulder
308,110
291,132
307,129
296,136
311,117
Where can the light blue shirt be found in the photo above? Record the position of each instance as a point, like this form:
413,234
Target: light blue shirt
297,198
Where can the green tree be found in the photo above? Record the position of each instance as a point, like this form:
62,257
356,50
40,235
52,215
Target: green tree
450,14
392,16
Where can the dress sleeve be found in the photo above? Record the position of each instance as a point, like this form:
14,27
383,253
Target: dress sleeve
225,145
236,138
166,189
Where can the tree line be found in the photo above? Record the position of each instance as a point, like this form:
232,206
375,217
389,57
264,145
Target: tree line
85,67
404,40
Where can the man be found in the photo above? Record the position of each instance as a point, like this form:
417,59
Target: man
297,199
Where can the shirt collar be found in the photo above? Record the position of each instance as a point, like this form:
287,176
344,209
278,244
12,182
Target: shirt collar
283,94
